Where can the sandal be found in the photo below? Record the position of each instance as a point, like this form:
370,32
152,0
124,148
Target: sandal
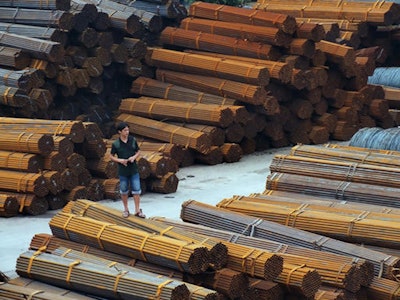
140,214
125,214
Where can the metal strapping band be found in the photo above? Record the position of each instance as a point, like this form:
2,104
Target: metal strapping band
294,213
339,193
200,97
70,267
302,11
360,217
252,15
112,264
166,230
172,134
187,116
66,252
292,271
70,217
98,236
34,293
351,171
142,246
340,271
178,254
142,85
382,265
320,242
167,89
216,12
160,287
85,249
151,107
366,14
32,258
198,36
234,238
117,278
5,95
60,128
244,258
282,248
252,227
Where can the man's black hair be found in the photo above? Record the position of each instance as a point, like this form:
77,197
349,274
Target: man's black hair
122,125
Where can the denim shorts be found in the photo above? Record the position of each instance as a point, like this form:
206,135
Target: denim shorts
130,181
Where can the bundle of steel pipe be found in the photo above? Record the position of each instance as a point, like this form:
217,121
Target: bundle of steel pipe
8,205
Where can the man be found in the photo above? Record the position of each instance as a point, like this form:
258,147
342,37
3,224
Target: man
125,151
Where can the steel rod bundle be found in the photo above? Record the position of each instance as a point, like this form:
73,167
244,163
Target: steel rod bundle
39,17
216,134
160,109
339,170
336,189
280,71
158,163
15,58
169,9
269,35
312,31
72,129
69,179
226,281
39,48
95,190
55,202
39,32
213,157
385,289
354,154
167,184
102,167
41,97
13,291
8,206
264,289
240,15
24,79
63,145
336,53
85,276
217,43
54,183
218,251
54,161
25,182
20,161
77,192
168,133
52,243
111,188
52,4
159,89
191,258
26,142
374,14
30,204
167,149
125,21
243,92
150,20
136,47
207,65
231,152
200,213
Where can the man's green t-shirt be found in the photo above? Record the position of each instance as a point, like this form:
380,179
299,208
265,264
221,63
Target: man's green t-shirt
125,150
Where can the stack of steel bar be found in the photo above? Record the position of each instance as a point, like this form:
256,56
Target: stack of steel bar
159,109
355,226
343,272
169,133
264,265
73,254
87,276
200,213
334,189
188,257
209,66
338,170
27,162
8,206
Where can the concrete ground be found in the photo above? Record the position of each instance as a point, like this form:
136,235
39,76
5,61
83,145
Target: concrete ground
208,184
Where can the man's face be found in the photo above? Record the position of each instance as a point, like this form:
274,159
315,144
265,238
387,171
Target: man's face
125,132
